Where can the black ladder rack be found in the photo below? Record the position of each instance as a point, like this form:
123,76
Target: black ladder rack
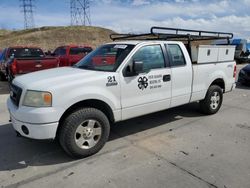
185,35
164,33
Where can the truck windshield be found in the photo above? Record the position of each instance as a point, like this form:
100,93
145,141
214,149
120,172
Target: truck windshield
105,58
25,52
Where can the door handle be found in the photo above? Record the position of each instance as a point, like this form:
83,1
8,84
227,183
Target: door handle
166,78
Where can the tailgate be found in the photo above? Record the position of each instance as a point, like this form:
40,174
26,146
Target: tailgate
31,65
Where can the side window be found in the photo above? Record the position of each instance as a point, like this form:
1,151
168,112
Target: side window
74,51
176,56
4,54
1,56
77,51
60,51
151,56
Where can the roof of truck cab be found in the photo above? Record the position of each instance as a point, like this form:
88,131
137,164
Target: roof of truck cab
135,42
75,46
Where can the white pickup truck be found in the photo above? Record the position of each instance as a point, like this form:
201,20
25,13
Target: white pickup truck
116,82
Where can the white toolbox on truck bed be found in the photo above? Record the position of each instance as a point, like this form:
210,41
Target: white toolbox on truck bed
212,53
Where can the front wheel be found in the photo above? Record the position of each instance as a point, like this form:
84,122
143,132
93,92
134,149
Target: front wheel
84,132
213,100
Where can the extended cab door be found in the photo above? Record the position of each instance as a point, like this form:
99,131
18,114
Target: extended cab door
149,91
182,74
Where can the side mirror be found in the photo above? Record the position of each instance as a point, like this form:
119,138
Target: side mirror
137,67
12,56
133,69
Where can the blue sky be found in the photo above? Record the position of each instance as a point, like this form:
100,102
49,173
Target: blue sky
139,15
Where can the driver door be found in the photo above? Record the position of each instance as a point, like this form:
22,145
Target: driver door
149,91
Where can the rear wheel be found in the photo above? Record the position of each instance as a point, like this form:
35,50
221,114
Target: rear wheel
84,132
213,100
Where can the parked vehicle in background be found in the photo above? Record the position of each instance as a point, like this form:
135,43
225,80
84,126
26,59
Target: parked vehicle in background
21,60
71,54
248,49
242,51
244,75
147,76
2,75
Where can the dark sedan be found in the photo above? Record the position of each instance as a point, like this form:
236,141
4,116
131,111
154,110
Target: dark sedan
244,75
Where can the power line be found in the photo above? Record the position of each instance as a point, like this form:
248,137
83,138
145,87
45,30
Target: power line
27,7
80,12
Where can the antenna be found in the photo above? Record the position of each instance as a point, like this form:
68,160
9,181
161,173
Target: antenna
80,12
27,9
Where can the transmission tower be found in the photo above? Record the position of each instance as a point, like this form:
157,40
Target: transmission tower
27,7
80,12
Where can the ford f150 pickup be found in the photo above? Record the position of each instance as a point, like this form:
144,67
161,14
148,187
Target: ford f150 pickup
21,60
151,72
71,54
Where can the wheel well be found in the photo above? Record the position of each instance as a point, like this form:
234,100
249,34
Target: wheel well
219,82
93,103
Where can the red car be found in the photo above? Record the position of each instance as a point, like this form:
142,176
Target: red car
22,59
71,54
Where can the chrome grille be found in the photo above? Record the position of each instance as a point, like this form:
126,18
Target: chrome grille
15,94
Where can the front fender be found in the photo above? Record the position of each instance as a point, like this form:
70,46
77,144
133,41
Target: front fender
110,97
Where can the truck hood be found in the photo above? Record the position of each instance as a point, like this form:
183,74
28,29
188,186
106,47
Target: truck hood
247,68
48,80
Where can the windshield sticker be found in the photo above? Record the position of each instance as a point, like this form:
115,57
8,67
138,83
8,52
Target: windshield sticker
152,82
121,46
111,81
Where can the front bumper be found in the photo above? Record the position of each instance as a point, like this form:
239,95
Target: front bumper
35,131
34,123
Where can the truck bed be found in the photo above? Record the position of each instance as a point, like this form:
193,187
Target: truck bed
202,76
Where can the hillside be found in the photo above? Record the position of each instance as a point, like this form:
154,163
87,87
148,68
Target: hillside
48,38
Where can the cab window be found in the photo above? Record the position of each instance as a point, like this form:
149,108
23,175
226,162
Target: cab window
2,56
79,51
151,56
60,51
176,56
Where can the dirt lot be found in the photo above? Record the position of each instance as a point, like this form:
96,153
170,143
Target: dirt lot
174,148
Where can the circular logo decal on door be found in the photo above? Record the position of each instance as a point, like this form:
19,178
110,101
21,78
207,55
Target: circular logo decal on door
142,82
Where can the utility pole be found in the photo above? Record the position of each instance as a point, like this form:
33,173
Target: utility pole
80,12
27,7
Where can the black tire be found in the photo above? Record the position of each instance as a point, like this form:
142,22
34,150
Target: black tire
209,105
2,77
68,132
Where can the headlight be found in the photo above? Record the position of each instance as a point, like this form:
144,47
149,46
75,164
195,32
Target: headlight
37,99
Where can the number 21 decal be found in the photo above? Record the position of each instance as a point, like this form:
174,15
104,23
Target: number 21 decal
111,81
